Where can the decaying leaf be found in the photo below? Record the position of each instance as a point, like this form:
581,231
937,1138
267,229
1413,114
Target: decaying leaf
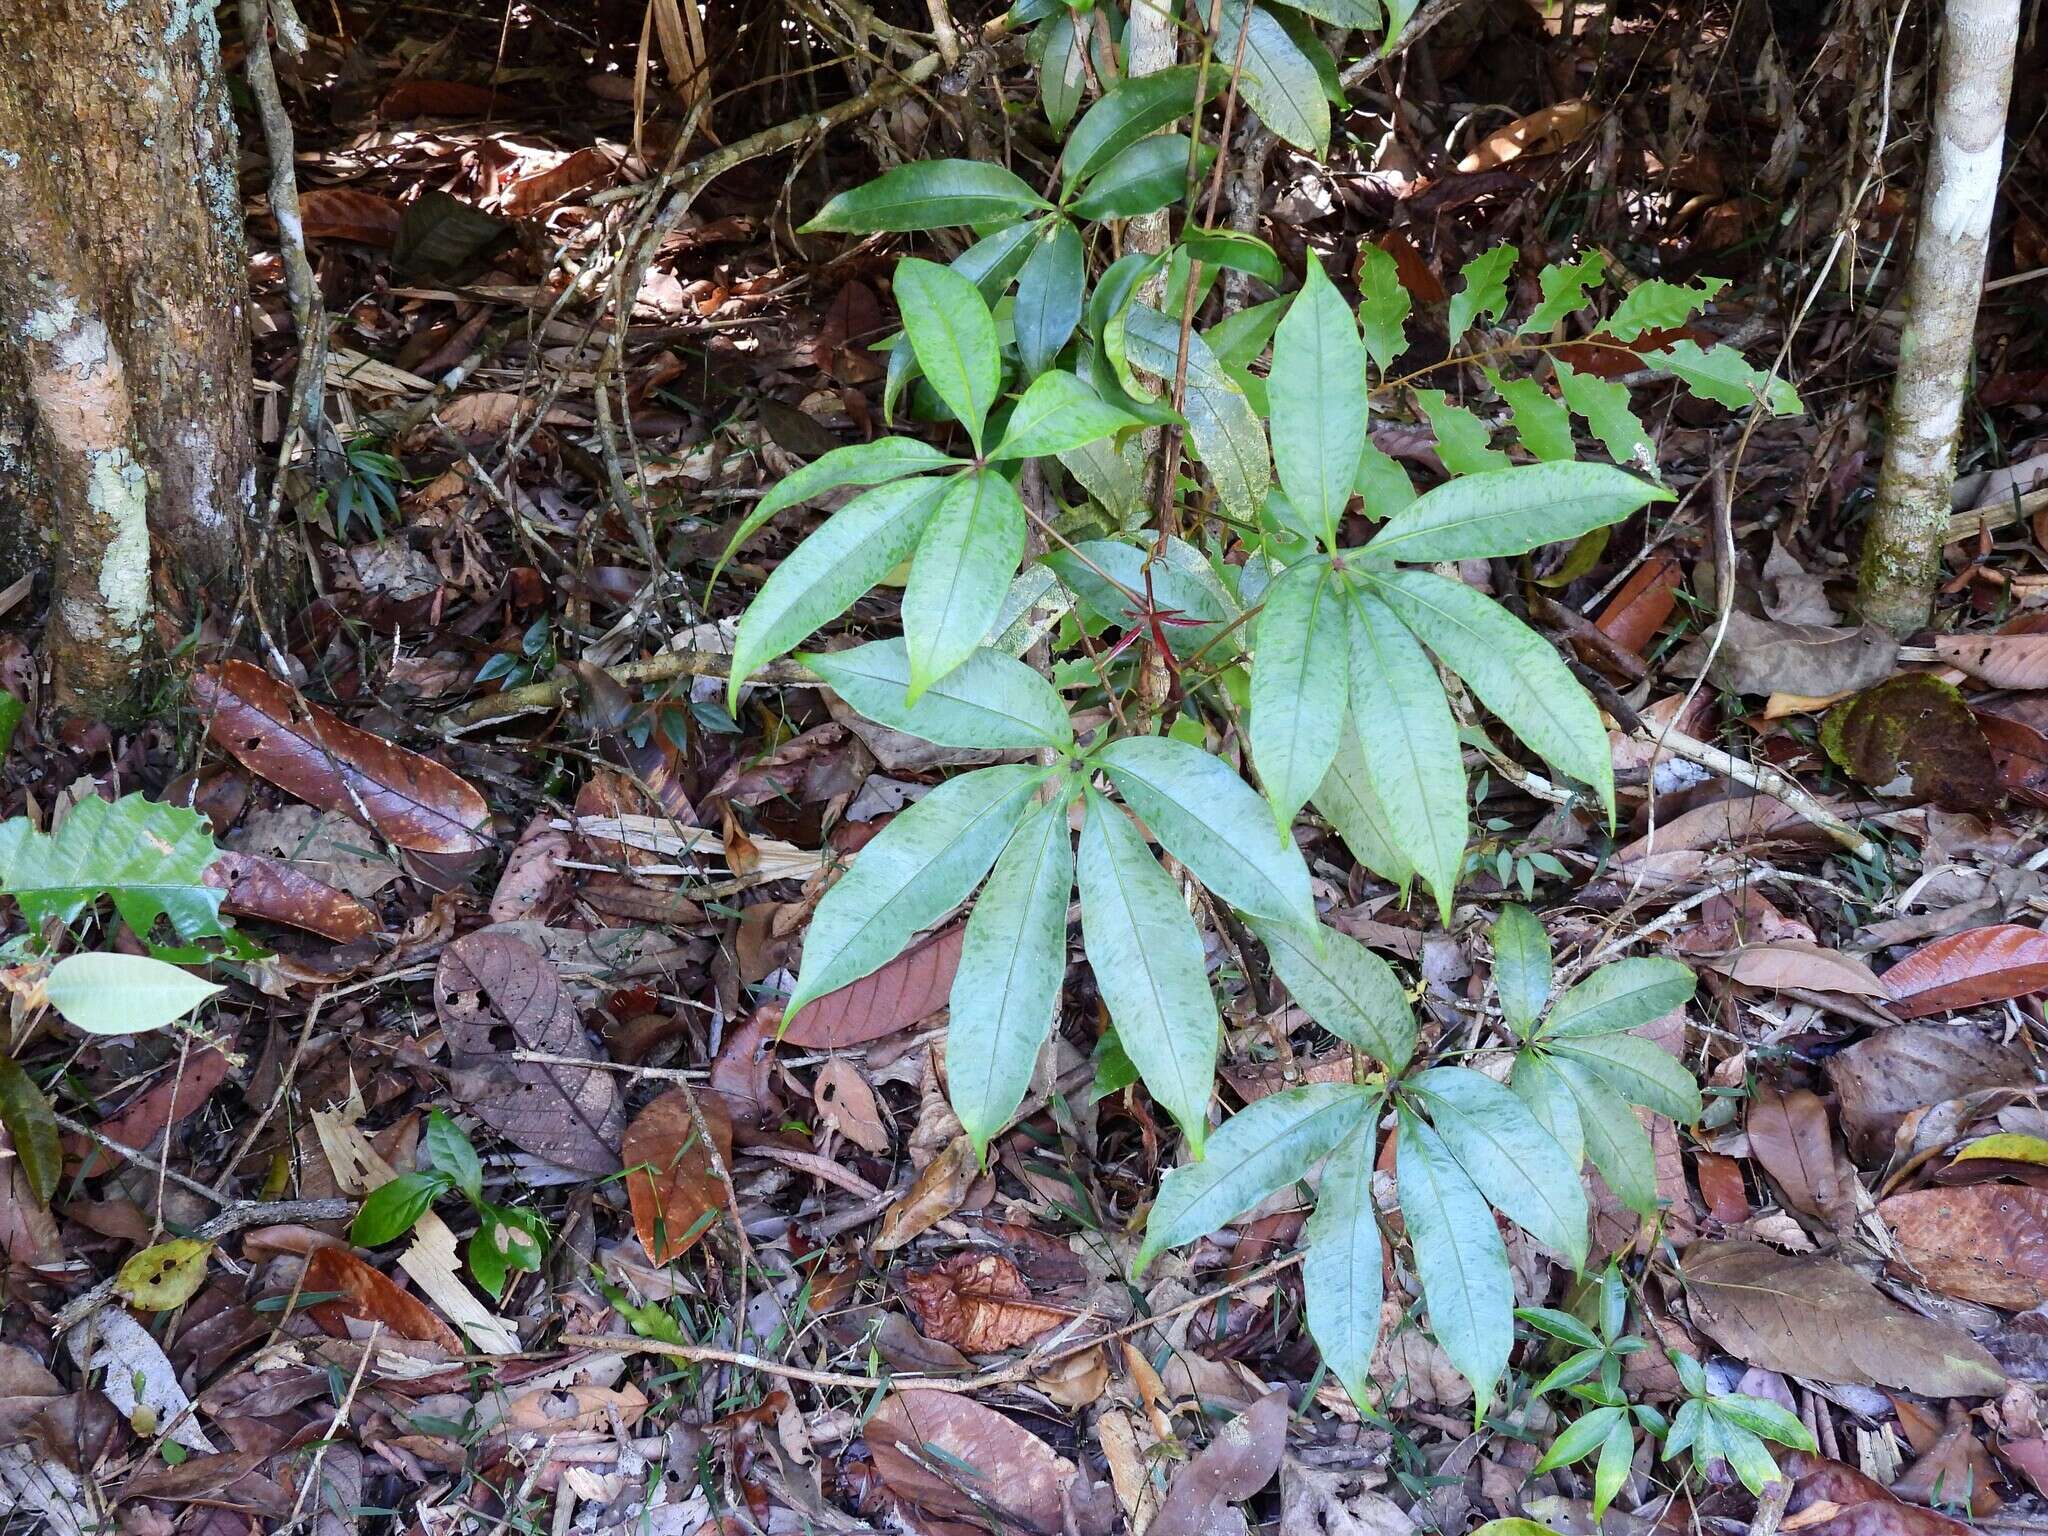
1914,737
845,1100
165,1276
1830,1499
369,1296
1761,656
1969,969
913,986
978,1302
949,1455
275,892
1789,1134
1881,1080
932,1197
670,1179
1799,963
1242,1459
2003,661
1982,1242
127,1364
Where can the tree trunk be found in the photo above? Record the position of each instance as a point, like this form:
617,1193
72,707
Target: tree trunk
1902,548
123,281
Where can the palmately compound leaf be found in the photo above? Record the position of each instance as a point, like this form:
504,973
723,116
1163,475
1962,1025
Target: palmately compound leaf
965,558
1621,996
1341,1280
1605,405
1347,799
1058,414
918,868
1459,1258
1299,684
1383,309
1128,111
826,574
1209,819
1640,1070
149,857
1521,966
1317,399
1538,1084
1614,1138
989,701
1012,960
105,993
1511,511
954,336
1344,987
1264,1147
1514,670
927,194
1049,293
1147,959
1410,744
1515,1162
1485,293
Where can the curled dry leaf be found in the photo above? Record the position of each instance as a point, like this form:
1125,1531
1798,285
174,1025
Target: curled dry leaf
953,1457
1789,1134
913,986
410,800
1969,969
496,994
1882,1080
1802,1315
1955,1465
978,1302
1982,1242
846,1101
272,891
670,1178
1242,1459
2019,753
369,1296
935,1195
1633,615
1542,132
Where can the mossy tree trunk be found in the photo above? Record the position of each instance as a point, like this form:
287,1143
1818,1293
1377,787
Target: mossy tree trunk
1944,281
125,396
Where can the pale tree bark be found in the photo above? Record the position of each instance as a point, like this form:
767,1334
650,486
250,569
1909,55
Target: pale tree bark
1152,43
126,394
1944,281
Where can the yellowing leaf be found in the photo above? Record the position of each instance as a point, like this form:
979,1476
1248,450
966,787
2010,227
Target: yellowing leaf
166,1276
2009,1147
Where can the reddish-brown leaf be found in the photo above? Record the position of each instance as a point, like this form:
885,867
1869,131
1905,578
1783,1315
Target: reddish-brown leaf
1830,1499
438,98
1721,1187
932,1197
978,1302
571,173
1969,969
1983,1242
2003,661
913,986
1954,1468
1230,1469
1633,615
2019,756
1790,1136
275,892
670,1178
348,213
1882,1082
410,800
177,1094
1423,285
1799,963
948,1454
370,1297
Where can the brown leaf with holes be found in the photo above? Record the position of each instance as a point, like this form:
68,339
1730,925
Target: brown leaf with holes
670,1178
533,882
2003,661
932,1197
1969,969
273,891
1243,1457
496,994
348,213
978,1302
1982,1242
846,1100
1881,1080
1789,1134
369,1296
913,986
307,751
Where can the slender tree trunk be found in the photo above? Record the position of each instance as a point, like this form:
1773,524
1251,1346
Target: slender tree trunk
1902,548
123,284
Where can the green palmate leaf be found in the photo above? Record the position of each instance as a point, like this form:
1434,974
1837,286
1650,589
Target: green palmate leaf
1383,309
1622,996
1344,987
1383,483
1410,745
1658,306
889,458
1513,669
1341,1280
150,858
1298,684
1725,377
920,867
1538,1084
1049,294
1222,426
1459,1257
113,994
1127,112
927,194
1056,415
1543,424
1012,959
1511,511
1614,1138
1276,79
826,574
990,700
1062,68
1745,1454
1580,1438
394,1207
1347,800
1239,252
1209,819
1264,1147
1521,966
1147,959
1485,294
1604,404
1564,292
453,1155
31,1126
1317,398
1515,1162
1461,438
1142,179
1617,1452
1640,1070
965,558
954,337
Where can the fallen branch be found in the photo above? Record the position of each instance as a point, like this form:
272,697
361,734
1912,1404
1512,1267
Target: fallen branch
663,668
1765,781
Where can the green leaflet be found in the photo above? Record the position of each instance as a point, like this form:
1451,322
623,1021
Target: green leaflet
1617,1453
1462,439
1515,1162
1654,305
1347,801
1513,669
1343,13
954,337
1209,819
1459,1257
1512,511
32,1128
990,700
1049,292
392,1209
1127,112
1564,292
1056,415
1521,966
149,857
1317,399
1222,426
1615,1139
1724,376
1640,1070
918,868
990,263
1485,293
1240,253
965,558
1264,1147
927,194
1538,1084
1299,676
1544,425
826,574
1144,178
1383,311
1341,1280
1062,68
1147,959
1344,987
1398,14
1410,745
1383,484
1604,404
1621,996
1579,1438
1012,960
1278,81
104,993
888,458
451,1153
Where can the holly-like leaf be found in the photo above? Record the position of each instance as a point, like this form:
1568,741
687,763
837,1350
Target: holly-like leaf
150,858
1604,404
1724,376
1485,291
1564,292
1654,305
1463,441
1383,309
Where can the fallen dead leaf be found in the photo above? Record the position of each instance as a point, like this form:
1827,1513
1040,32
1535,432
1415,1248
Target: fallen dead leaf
978,1302
1830,1499
1983,1242
2003,661
671,1181
1799,963
1242,1459
273,891
130,1366
369,1296
1881,1080
1969,969
932,1197
1955,1469
913,986
1634,614
1790,1136
1760,656
950,1455
1542,132
846,1100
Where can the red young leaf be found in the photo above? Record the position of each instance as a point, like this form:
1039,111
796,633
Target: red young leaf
1969,969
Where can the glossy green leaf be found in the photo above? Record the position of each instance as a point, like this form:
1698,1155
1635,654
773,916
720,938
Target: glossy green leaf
1725,377
1760,1416
1208,818
1485,291
1299,679
1239,252
888,458
1341,1274
1383,309
31,1126
1276,78
991,262
990,700
1745,1455
1515,1162
150,858
954,336
1621,996
1059,50
1459,1258
453,1155
1056,415
1521,966
390,1210
1511,511
1655,305
1605,405
1129,110
1610,1472
1398,14
1222,427
1270,1143
916,870
1462,439
1343,13
1615,1139
1143,178
104,993
1564,292
1539,1085
1542,423
927,194
1049,294
1148,965
1344,987
1579,1439
1317,396
1640,1070
965,558
1348,801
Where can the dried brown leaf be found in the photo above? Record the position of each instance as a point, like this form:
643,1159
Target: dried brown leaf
348,213
1789,1134
957,1459
978,1302
1983,1242
369,1296
1881,1080
272,891
1761,656
913,986
1969,969
845,1100
932,1197
1830,1499
670,1178
2003,661
1799,963
1242,1459
1633,615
